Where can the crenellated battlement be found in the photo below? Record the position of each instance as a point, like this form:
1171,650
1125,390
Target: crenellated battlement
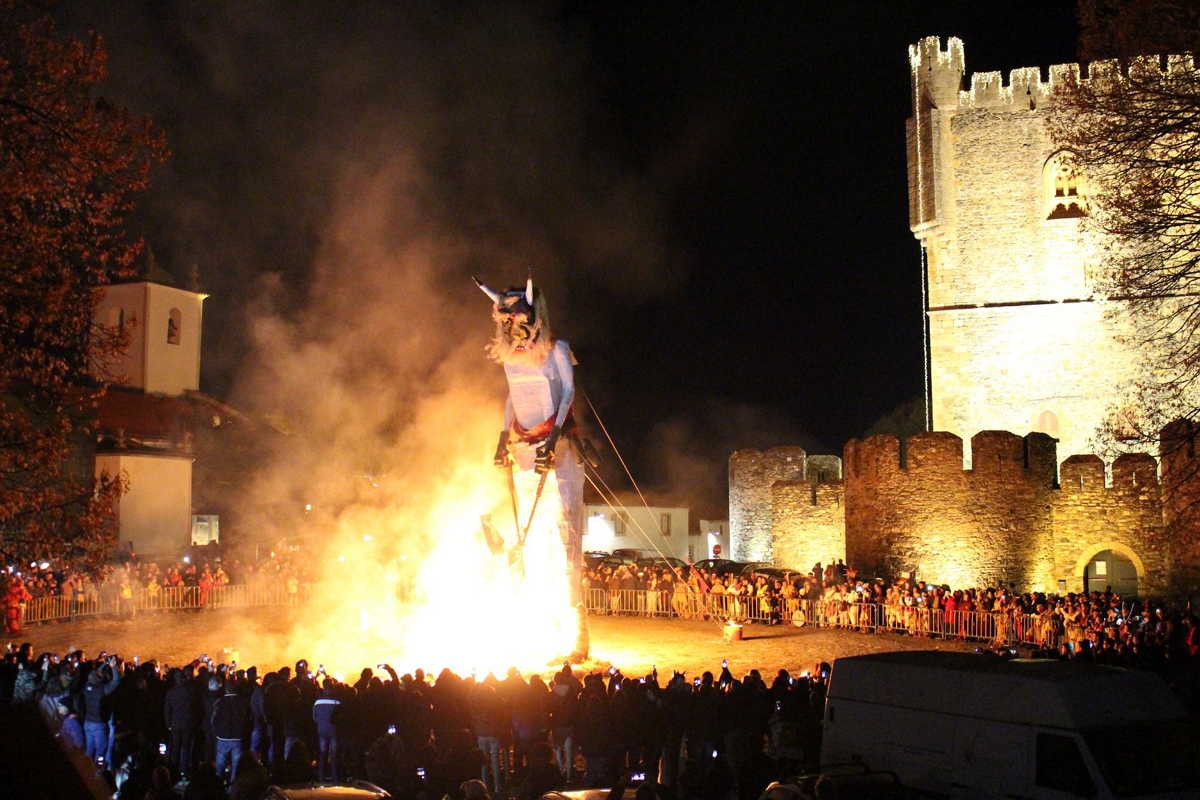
999,455
935,68
941,453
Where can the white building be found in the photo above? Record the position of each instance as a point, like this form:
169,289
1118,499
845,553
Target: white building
146,418
655,530
714,534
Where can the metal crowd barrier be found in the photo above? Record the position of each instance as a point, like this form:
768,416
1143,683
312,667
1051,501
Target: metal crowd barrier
999,628
107,599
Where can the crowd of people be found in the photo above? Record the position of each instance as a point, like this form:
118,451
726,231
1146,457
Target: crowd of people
1145,634
208,730
133,582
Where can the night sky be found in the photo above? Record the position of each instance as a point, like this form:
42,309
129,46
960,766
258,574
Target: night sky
766,287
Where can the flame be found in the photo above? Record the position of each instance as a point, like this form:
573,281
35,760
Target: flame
448,600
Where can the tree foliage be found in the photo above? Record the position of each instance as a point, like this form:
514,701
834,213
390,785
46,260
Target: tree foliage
1133,129
71,166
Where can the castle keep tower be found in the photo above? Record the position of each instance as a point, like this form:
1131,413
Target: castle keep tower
1018,338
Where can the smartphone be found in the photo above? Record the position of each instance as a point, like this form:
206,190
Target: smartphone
612,670
724,663
162,748
638,776
421,773
696,682
779,705
791,681
391,729
714,754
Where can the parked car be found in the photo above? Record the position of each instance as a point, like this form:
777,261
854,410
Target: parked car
354,790
627,554
589,794
592,558
774,573
721,566
662,562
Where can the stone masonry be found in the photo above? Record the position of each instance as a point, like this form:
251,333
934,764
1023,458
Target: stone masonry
753,475
1019,336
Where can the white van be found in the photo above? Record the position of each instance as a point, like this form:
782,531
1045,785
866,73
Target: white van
976,725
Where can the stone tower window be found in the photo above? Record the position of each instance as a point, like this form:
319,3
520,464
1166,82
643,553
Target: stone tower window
1063,188
174,320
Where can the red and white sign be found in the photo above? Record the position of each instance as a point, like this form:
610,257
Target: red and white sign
716,550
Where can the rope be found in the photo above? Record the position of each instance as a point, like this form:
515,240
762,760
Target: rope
623,508
613,445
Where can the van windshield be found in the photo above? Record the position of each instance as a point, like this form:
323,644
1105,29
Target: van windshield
1148,758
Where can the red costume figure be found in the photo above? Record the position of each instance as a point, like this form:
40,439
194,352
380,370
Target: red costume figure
15,597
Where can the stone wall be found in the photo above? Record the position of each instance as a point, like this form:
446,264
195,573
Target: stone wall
1013,517
808,522
916,509
1181,499
752,473
1019,336
1089,517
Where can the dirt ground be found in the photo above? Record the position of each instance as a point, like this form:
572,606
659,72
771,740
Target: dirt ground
632,643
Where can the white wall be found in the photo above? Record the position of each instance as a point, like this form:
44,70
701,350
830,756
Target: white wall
125,305
151,363
155,513
714,532
606,530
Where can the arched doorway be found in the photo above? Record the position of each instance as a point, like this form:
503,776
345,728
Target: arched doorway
1110,568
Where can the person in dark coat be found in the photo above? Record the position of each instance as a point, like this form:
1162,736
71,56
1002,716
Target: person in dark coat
275,708
260,735
101,682
230,721
180,712
594,732
563,708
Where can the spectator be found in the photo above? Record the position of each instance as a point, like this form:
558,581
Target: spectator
230,723
325,715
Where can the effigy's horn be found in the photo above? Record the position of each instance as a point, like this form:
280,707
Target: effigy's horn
483,287
529,291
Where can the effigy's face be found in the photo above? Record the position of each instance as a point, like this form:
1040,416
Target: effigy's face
516,321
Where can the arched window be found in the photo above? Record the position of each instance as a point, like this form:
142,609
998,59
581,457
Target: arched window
173,326
1047,422
1064,191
